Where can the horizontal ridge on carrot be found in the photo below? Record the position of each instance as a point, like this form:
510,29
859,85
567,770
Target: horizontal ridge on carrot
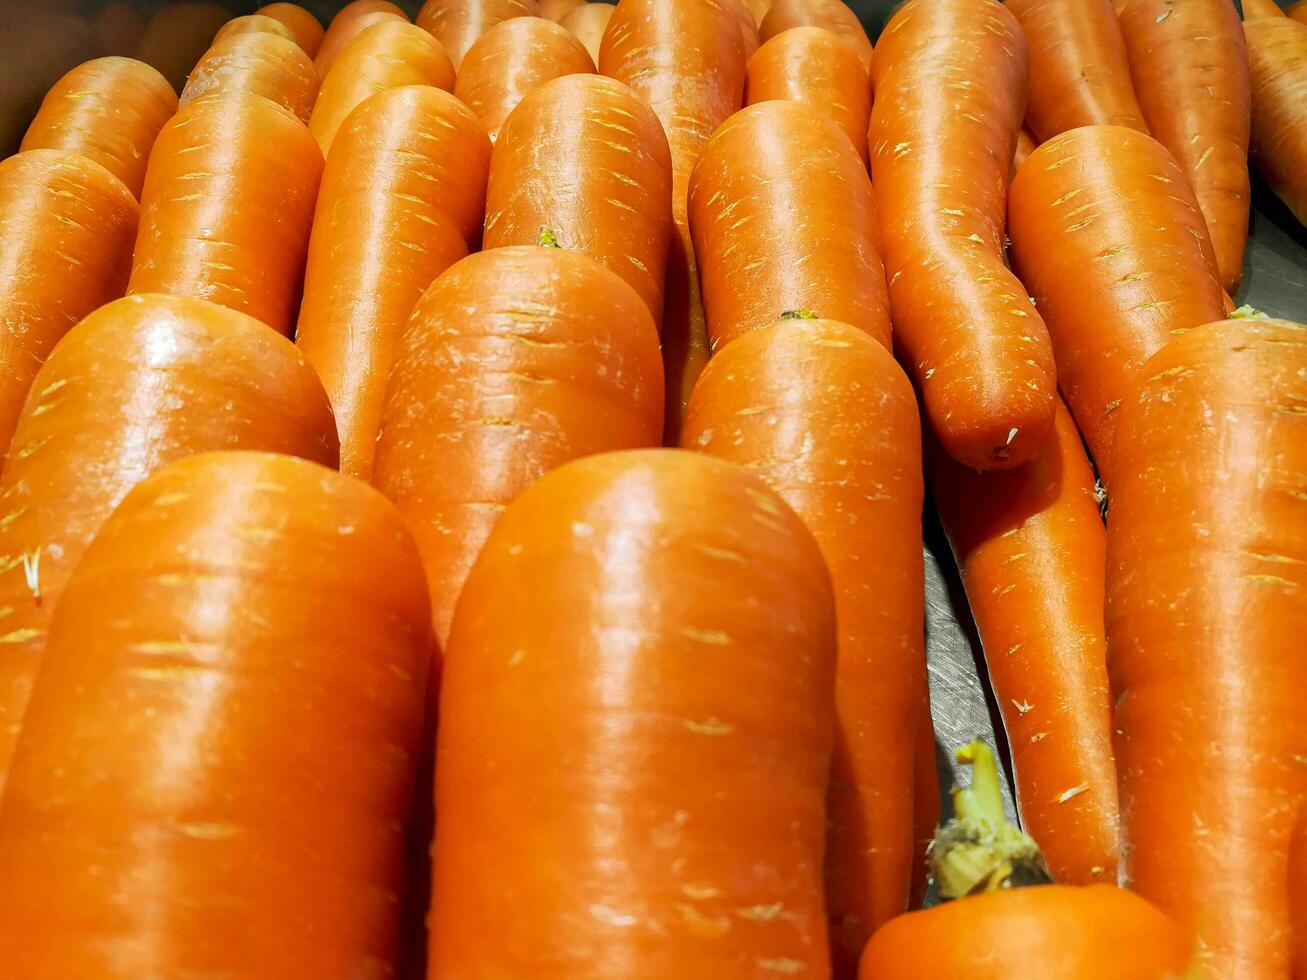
261,64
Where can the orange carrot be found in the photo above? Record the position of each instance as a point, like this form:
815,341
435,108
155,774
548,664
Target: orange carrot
941,146
833,15
556,10
261,64
227,207
1206,614
1025,146
588,23
1298,11
353,20
66,232
758,8
305,29
1277,64
512,58
458,23
1108,238
748,25
110,110
176,37
253,24
405,178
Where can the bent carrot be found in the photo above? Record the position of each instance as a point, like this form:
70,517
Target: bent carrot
406,173
1108,238
1206,612
588,23
824,415
1031,548
818,69
458,23
353,20
941,145
227,207
585,159
177,36
305,29
512,58
693,726
66,232
782,217
260,64
1277,64
253,24
230,599
556,10
142,381
109,110
833,15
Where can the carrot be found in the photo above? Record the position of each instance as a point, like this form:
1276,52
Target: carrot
227,206
833,15
260,64
825,416
692,88
759,9
964,325
1277,65
588,23
782,217
164,820
253,24
141,381
586,159
556,10
305,29
385,55
1030,545
404,165
512,58
66,232
353,20
176,37
1206,611
692,725
1298,898
1108,238
1025,146
515,361
1298,11
748,25
818,69
109,110
1190,70
458,23
1001,929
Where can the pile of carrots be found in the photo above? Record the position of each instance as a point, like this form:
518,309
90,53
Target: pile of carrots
461,507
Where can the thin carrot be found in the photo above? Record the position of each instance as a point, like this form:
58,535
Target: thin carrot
253,24
161,816
833,15
584,158
1206,614
141,381
352,21
176,37
66,232
588,23
512,58
824,415
556,10
1277,64
683,831
458,23
1109,239
949,79
405,181
110,110
304,27
227,206
261,64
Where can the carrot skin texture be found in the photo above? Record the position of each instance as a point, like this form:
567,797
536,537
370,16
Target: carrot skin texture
588,23
1207,608
66,232
1032,551
715,751
1110,241
1054,932
510,60
832,15
825,416
109,110
515,361
585,158
1277,63
458,23
260,64
352,21
232,597
306,30
253,24
556,10
140,382
941,148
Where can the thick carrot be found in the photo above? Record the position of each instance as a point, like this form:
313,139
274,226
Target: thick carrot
385,55
458,23
406,172
352,21
941,146
692,88
584,158
253,24
556,10
304,27
782,216
588,23
164,819
691,727
261,64
1277,64
1206,614
66,232
512,58
110,110
1031,548
141,381
516,360
1108,238
827,418
227,206
833,15
177,35
1190,69
818,69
